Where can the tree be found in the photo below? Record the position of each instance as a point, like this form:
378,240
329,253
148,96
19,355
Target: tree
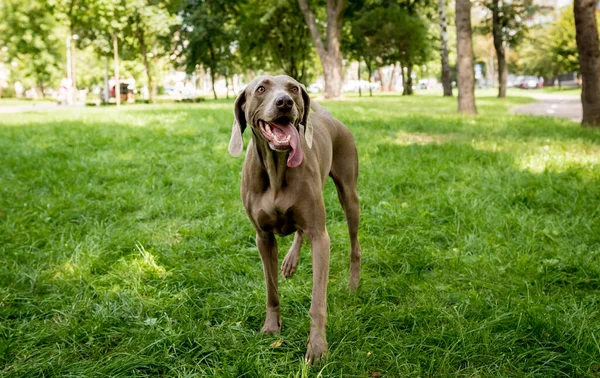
274,35
466,76
147,22
389,35
207,27
31,36
586,28
446,80
508,28
329,52
357,46
551,50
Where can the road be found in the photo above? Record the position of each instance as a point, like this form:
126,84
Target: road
553,105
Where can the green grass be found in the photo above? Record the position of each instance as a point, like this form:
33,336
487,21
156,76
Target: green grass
125,249
563,90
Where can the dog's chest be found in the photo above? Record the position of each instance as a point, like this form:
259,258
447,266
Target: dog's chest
275,215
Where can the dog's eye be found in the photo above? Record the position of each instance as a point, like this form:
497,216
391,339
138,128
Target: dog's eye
260,89
295,89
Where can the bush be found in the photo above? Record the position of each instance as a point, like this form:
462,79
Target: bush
8,92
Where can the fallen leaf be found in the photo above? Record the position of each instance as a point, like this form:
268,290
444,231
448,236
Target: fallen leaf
276,343
375,374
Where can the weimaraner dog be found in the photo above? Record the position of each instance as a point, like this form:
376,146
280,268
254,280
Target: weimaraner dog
287,162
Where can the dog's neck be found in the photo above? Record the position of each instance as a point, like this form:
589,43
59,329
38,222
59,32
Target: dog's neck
274,163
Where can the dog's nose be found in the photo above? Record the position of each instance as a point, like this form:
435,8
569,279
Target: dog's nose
284,102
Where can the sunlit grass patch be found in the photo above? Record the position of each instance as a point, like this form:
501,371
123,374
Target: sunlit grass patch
558,158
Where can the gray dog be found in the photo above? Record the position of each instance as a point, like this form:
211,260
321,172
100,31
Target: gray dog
288,160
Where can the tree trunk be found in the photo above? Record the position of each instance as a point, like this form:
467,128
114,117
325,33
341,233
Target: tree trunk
330,55
499,46
116,59
332,72
370,71
446,80
143,49
106,89
589,60
212,81
464,44
407,90
392,85
382,79
226,87
73,65
359,88
403,79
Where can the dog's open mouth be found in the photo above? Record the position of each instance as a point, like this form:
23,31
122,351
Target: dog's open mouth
282,135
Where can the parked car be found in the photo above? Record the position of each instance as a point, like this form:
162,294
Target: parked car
530,82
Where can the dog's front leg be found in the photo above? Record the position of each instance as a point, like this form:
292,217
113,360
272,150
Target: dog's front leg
317,343
267,246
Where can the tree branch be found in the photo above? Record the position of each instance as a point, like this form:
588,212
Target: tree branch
312,26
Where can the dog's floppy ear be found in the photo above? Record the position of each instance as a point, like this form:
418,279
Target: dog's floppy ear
308,128
236,143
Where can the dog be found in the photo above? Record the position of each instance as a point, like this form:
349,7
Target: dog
291,153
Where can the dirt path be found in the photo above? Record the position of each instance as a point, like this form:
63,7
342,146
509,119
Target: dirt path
553,105
39,107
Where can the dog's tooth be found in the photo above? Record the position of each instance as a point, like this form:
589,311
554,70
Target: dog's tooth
287,138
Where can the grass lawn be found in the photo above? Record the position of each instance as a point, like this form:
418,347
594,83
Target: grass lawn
125,249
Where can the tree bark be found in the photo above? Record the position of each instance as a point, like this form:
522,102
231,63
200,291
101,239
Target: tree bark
73,65
446,80
226,87
383,81
392,84
144,51
407,90
370,72
403,78
212,81
116,59
464,43
588,45
499,47
359,88
329,54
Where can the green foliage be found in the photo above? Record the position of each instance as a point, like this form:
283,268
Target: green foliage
125,249
562,43
208,27
552,49
511,19
33,41
387,35
273,36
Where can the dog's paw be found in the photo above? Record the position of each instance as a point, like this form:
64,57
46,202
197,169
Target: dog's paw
353,283
272,325
316,350
289,264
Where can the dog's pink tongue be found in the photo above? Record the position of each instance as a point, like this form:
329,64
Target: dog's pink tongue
296,154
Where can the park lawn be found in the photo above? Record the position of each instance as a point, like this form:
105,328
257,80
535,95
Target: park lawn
125,249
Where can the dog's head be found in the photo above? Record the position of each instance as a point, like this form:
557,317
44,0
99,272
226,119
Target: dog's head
275,107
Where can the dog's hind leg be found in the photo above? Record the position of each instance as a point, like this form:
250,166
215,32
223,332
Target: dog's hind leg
345,176
290,261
